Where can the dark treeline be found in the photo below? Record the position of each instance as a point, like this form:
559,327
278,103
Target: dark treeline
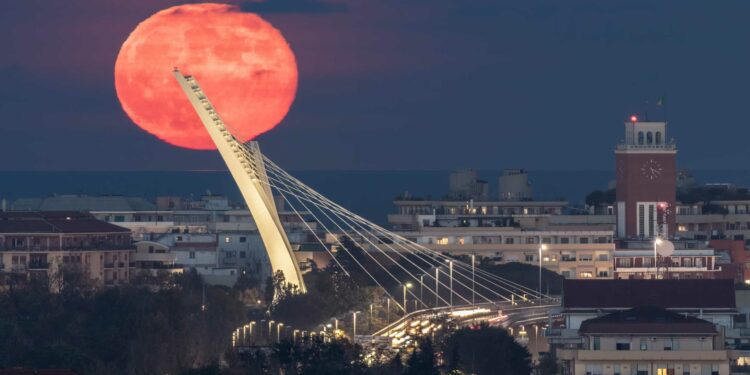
123,330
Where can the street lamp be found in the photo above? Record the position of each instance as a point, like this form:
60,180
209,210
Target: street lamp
657,242
542,247
251,328
450,280
354,326
407,285
370,325
388,311
437,274
278,332
421,290
270,324
473,290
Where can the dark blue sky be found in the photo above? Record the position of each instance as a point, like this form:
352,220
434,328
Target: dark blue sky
394,84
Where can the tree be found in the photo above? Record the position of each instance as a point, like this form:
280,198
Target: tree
488,350
320,358
396,365
546,366
422,361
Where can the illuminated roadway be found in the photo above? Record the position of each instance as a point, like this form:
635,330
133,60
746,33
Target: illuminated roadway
426,322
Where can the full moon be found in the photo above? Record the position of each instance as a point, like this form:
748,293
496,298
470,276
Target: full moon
244,65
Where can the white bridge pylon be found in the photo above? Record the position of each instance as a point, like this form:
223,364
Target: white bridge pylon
411,275
245,163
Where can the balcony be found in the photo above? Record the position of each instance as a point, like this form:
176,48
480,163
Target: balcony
669,146
109,265
652,355
38,266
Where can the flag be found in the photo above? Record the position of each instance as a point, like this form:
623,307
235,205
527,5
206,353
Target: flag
660,102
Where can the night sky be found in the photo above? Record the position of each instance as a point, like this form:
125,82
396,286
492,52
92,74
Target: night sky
404,84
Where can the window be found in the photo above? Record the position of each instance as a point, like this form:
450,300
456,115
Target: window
649,138
594,369
596,343
508,240
227,239
192,255
243,239
119,218
686,369
622,346
644,344
616,370
668,344
564,240
242,254
658,138
150,249
529,258
583,240
585,275
603,257
640,138
585,258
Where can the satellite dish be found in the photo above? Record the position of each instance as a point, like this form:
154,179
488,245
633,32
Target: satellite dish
664,248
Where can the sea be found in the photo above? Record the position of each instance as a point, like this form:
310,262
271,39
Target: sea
368,193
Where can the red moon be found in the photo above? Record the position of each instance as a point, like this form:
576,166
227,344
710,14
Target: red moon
244,65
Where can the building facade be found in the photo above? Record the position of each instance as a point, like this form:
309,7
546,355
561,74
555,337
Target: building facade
43,244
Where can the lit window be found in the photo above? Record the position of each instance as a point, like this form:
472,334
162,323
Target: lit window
227,239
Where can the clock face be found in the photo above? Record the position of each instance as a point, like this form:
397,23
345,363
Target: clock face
651,169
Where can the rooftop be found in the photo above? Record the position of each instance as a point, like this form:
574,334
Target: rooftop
668,294
55,222
647,320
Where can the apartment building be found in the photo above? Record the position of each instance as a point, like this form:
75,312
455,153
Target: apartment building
647,340
572,254
600,334
41,244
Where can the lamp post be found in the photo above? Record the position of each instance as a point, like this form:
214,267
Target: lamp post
251,328
542,247
407,285
657,242
270,325
370,325
354,326
450,281
437,275
388,311
278,332
473,289
421,290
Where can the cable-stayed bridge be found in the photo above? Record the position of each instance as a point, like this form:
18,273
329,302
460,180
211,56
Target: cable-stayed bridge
419,281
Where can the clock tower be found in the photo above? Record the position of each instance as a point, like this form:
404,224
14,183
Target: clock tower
646,181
